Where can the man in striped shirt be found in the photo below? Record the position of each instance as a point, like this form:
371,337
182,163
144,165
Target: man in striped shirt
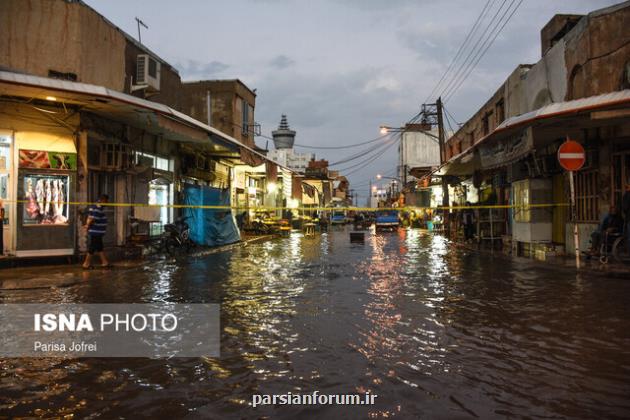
96,228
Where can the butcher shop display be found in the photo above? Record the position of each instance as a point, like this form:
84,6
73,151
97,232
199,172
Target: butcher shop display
46,197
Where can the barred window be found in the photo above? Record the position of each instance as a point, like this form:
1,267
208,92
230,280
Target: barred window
586,196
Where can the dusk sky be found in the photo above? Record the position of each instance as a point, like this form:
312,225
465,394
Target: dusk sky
337,68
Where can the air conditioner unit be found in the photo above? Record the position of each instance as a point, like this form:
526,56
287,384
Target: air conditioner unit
148,72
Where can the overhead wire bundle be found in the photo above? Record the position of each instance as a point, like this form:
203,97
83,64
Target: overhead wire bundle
366,152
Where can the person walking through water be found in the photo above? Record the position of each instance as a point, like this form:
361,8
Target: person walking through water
96,227
468,220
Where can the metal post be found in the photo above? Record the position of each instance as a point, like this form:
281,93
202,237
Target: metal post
445,198
576,237
491,229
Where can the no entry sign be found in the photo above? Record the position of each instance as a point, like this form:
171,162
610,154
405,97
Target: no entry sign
571,155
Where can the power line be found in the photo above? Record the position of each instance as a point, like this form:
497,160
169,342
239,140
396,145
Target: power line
371,180
361,154
453,91
342,147
371,160
461,49
465,65
451,115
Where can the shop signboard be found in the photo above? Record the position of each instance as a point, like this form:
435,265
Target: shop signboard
39,159
507,151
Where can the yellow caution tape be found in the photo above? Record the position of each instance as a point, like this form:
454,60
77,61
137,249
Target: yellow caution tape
336,209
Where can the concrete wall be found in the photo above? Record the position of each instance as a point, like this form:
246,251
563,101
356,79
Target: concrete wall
473,130
546,81
556,28
597,52
226,105
170,92
514,91
37,36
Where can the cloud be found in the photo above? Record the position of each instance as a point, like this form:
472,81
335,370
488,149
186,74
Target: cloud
197,69
281,62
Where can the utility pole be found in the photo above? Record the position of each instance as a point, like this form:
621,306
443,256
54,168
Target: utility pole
441,139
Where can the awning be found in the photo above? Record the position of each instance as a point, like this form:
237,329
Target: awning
515,137
296,187
125,108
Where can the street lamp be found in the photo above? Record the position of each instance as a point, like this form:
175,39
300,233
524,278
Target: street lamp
384,129
379,176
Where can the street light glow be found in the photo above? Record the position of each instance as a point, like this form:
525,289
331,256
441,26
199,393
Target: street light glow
384,130
379,176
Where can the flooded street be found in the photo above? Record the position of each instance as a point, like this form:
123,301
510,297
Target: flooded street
434,330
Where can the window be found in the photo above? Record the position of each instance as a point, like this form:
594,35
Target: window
245,120
63,76
5,153
209,107
486,123
500,109
154,161
46,199
586,196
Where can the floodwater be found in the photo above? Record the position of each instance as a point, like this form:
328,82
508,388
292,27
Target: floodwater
435,331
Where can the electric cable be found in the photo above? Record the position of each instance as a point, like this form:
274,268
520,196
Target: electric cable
332,147
461,49
361,154
465,65
369,161
480,56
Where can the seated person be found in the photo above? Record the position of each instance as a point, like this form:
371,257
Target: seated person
612,223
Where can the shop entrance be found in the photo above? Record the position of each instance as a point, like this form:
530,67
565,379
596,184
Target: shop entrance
104,183
161,193
6,193
621,176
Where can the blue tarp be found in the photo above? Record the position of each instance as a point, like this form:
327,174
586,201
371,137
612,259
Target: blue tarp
207,226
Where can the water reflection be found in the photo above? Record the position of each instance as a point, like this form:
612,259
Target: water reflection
433,330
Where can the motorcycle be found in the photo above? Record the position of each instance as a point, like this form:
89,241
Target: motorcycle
176,237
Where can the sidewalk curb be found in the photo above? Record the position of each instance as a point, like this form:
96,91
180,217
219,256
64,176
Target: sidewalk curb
611,270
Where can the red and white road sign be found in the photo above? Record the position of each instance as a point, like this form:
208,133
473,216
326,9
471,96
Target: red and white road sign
571,155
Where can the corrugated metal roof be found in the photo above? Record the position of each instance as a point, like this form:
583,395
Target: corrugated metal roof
557,109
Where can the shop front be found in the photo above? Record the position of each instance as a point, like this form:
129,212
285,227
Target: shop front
38,184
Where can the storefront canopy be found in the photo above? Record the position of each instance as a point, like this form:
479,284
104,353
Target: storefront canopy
517,136
154,117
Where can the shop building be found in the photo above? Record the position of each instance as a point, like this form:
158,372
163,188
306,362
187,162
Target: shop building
507,152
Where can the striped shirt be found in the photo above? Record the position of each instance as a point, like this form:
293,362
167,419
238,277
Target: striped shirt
99,222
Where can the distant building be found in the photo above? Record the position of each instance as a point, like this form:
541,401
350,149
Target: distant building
227,105
419,148
378,197
284,154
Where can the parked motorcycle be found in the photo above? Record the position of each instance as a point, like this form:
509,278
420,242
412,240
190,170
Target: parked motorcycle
177,237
